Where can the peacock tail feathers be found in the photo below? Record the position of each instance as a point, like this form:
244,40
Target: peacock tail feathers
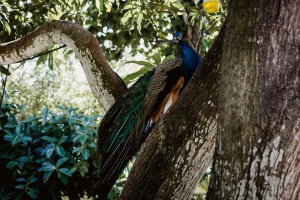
122,120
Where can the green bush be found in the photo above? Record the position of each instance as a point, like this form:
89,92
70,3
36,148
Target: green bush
46,156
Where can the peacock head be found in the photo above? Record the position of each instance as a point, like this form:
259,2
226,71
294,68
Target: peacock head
190,59
177,35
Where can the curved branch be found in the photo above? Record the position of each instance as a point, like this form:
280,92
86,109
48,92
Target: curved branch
105,83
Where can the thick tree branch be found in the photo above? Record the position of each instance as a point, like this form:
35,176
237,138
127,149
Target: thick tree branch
181,146
105,83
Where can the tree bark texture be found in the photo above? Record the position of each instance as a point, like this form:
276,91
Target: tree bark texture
180,147
105,83
257,149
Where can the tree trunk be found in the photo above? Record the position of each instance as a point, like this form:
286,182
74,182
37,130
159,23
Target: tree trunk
257,149
180,147
105,83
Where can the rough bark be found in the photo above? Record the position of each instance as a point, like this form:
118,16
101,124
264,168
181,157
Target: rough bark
105,83
257,150
180,147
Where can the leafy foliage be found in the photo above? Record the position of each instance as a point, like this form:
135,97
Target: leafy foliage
36,86
46,156
149,21
144,28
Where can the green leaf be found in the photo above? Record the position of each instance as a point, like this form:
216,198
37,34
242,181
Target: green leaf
45,111
139,22
47,175
23,159
7,97
83,170
46,166
83,139
170,57
26,139
32,193
62,139
93,144
74,169
59,118
126,17
50,60
47,128
157,59
85,163
60,151
15,141
9,125
33,179
7,27
21,180
62,177
100,4
76,149
203,186
65,171
141,63
11,164
178,6
128,6
32,118
21,187
85,153
19,128
51,140
5,71
61,161
134,75
49,152
42,60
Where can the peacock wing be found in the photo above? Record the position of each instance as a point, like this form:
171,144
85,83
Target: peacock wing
166,76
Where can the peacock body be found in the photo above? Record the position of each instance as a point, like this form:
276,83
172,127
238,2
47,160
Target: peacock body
129,121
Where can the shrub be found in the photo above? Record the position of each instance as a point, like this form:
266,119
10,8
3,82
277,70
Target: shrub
46,156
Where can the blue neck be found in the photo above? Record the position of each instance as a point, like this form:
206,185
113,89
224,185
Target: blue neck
190,59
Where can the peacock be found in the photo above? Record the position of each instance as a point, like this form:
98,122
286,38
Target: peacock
128,122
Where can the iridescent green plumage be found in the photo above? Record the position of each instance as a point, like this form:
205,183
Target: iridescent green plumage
118,131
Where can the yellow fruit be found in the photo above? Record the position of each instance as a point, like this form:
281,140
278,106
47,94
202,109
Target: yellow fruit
211,6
